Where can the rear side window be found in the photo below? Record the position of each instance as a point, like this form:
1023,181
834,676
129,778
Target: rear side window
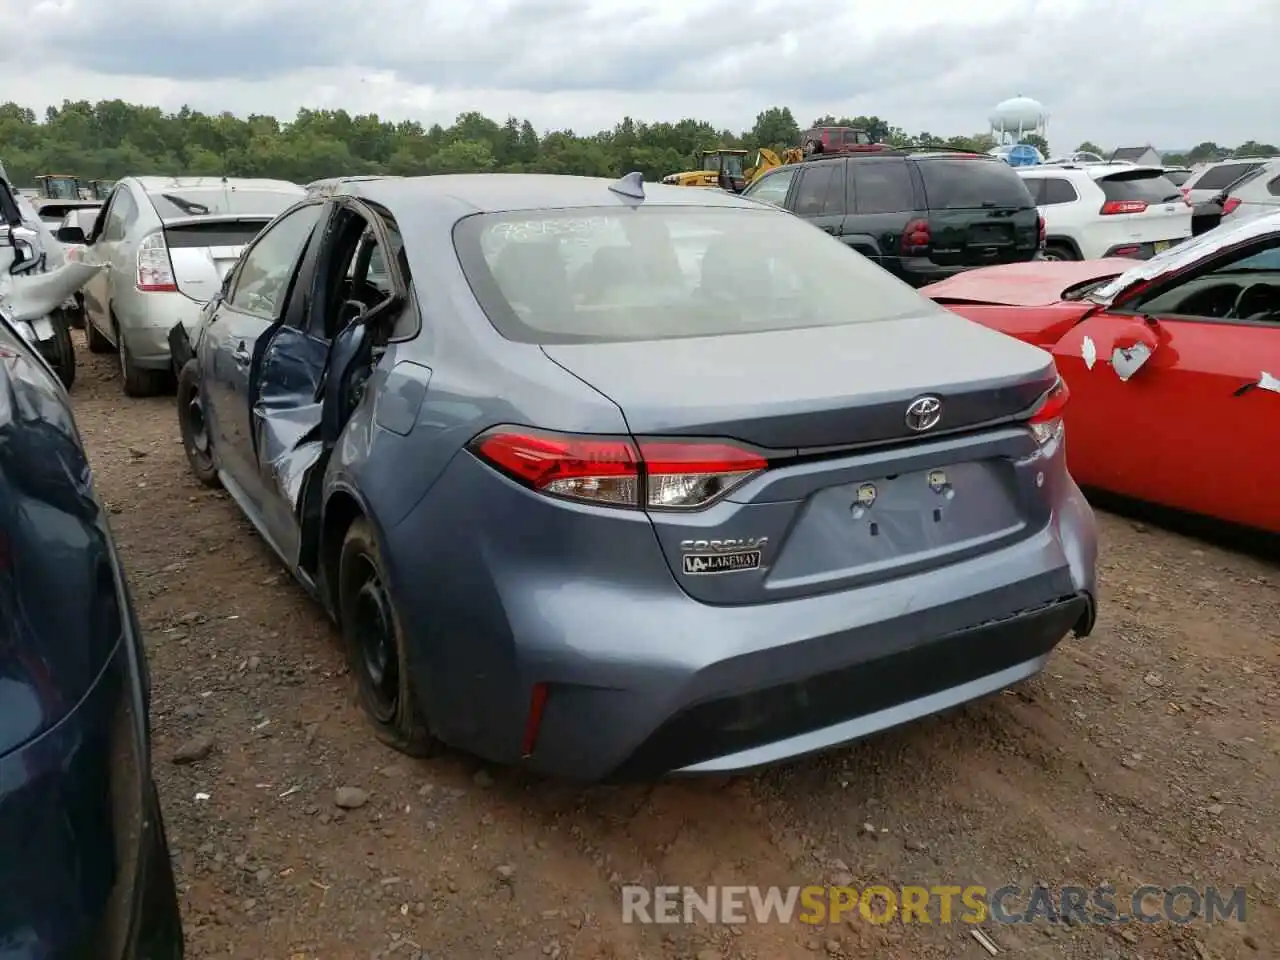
1223,175
882,186
821,190
1273,187
972,184
1178,177
1149,186
610,274
1057,190
772,187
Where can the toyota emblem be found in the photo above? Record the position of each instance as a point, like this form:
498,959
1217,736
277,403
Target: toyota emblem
923,413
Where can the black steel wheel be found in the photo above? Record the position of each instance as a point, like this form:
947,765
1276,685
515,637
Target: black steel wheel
375,646
62,355
196,441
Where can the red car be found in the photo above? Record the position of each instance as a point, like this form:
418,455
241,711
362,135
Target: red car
835,140
1173,365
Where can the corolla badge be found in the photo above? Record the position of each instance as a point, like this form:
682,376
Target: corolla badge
923,413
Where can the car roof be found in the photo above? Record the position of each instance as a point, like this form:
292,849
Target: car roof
161,184
504,192
1095,171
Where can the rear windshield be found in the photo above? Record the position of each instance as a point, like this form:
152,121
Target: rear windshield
198,202
1223,175
661,273
1178,177
970,184
215,234
1149,186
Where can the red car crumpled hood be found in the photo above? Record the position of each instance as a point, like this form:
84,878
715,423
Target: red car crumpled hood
1038,283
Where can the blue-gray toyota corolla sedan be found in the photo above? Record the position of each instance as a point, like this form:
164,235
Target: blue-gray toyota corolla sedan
614,479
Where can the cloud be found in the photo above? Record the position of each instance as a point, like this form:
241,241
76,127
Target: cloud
1113,71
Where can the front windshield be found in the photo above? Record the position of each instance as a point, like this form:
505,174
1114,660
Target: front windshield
63,188
730,163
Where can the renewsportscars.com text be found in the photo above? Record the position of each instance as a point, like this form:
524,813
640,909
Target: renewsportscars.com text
941,904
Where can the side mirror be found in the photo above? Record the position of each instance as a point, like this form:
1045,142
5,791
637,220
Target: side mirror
71,235
1132,344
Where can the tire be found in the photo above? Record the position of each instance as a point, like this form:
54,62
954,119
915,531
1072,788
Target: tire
63,359
1059,251
137,381
375,646
196,442
94,339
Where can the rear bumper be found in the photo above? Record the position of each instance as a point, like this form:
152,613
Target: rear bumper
1141,251
146,328
891,687
921,271
643,680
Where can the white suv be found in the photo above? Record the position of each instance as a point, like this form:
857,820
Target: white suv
1096,210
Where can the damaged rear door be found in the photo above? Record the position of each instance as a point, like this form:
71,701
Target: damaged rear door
1175,393
306,379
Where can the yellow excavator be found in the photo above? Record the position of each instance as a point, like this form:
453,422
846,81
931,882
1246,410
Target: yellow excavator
767,159
715,168
724,168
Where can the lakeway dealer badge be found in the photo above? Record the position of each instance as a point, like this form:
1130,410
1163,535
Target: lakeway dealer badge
696,563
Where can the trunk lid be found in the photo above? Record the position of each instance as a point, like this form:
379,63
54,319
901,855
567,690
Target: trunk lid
203,250
830,405
813,388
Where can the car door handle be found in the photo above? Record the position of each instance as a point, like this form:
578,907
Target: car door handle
241,355
831,229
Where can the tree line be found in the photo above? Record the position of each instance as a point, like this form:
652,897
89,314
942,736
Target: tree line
111,139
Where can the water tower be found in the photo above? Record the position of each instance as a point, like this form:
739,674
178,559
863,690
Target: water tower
1017,118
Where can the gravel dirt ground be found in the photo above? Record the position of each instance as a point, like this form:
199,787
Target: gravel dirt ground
1146,753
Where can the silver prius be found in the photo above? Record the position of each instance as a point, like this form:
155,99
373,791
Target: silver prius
167,243
621,479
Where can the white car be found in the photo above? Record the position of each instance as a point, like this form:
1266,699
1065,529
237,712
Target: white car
1209,181
1254,194
1098,210
168,243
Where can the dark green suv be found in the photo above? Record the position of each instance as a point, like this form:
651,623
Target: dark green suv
922,216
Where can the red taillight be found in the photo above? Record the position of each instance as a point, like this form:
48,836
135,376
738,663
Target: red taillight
1046,422
619,472
1229,205
916,237
1043,231
1123,206
155,271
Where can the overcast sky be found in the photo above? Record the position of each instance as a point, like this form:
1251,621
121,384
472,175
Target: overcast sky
1119,72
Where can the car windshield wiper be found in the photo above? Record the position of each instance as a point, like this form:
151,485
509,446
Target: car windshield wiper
185,205
1169,199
